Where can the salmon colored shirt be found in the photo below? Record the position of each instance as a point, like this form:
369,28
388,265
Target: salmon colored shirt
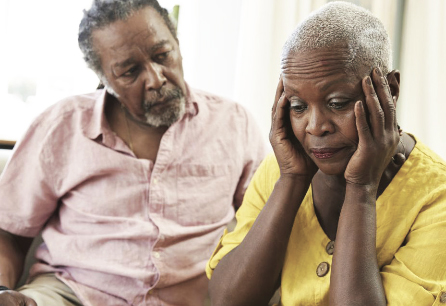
410,240
120,230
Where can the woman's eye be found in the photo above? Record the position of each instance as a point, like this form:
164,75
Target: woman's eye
298,108
338,105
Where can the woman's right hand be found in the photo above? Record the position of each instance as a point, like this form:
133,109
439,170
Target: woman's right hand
292,158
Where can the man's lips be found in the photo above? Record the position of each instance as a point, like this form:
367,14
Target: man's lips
325,153
160,103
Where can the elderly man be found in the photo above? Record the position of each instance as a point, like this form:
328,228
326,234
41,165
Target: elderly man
349,210
131,186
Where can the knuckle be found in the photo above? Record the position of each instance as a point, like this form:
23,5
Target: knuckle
373,94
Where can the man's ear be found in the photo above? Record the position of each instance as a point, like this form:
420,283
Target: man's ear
393,78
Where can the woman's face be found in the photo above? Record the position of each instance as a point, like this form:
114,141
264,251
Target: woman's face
322,94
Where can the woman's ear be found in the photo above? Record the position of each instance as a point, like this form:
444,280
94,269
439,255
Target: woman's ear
393,78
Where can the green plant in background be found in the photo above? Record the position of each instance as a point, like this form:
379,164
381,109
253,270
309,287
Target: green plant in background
174,14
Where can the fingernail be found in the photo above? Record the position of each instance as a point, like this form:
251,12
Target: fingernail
378,71
368,81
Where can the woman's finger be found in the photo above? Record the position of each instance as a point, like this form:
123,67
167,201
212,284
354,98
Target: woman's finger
385,98
362,125
279,114
279,92
376,113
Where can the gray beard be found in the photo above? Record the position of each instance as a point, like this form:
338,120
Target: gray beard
169,115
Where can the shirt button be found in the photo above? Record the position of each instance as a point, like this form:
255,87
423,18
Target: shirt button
156,255
322,269
443,297
155,181
330,247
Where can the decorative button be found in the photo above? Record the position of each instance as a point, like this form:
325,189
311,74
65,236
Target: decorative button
322,269
156,255
443,297
330,247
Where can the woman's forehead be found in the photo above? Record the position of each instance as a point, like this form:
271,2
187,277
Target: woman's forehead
316,61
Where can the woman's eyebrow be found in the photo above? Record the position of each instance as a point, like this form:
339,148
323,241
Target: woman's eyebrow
329,84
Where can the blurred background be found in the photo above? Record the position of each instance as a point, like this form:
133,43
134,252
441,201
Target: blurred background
231,48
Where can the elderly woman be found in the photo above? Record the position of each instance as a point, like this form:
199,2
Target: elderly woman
349,210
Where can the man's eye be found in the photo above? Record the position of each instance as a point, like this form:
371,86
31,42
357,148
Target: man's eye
298,108
162,56
338,104
130,72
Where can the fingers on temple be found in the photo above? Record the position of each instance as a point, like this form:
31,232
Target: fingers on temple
279,92
280,113
385,98
361,121
376,113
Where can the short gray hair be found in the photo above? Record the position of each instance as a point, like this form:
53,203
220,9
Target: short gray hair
105,12
344,23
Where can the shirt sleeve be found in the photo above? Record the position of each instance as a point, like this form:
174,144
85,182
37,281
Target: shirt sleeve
258,192
27,197
417,273
254,152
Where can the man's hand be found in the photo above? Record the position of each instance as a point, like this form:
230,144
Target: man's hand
14,298
377,141
291,157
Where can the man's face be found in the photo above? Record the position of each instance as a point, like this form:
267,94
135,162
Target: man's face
141,61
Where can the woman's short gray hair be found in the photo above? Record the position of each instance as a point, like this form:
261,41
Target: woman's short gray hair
103,13
339,23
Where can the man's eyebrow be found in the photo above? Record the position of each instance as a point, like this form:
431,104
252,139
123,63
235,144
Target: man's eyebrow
159,45
125,63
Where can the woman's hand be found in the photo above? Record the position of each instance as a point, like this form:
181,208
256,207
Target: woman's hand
14,298
292,158
377,140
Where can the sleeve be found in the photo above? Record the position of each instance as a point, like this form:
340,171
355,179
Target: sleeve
258,192
27,197
255,150
417,273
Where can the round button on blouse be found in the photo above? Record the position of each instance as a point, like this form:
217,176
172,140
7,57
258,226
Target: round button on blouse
443,298
330,247
322,269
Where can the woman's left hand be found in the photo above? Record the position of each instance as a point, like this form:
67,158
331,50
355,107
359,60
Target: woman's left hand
377,140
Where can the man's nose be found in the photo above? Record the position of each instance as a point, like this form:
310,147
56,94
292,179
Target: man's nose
155,78
319,123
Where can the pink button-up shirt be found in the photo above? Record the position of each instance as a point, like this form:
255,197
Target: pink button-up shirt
121,230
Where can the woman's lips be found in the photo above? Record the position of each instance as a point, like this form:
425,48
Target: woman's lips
325,153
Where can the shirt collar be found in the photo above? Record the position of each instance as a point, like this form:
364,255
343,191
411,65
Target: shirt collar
95,128
191,102
98,123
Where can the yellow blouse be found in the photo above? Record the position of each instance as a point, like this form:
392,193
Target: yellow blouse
411,236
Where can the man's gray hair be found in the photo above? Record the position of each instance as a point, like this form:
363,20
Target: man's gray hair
344,24
105,12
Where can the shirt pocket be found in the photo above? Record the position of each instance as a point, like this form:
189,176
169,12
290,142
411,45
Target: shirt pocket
204,195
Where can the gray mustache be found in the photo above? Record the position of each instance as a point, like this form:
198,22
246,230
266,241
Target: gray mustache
164,94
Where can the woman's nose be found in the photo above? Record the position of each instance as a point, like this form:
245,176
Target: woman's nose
319,123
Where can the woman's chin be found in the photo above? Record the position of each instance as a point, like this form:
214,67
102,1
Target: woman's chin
335,169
